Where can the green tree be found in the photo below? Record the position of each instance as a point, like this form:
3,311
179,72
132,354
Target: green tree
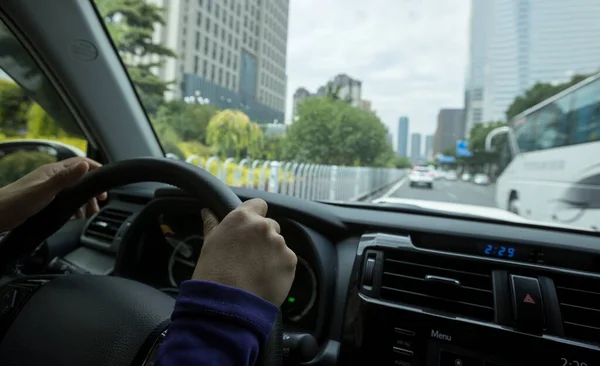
40,124
131,24
14,107
188,120
401,162
168,139
537,94
231,134
274,147
333,132
18,164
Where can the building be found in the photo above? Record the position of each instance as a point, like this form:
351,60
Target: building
450,128
347,89
367,105
232,54
479,33
274,129
416,153
402,147
299,95
529,41
428,147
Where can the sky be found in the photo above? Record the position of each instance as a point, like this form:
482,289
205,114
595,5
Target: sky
411,55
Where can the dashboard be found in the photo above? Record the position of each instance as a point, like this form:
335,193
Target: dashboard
379,285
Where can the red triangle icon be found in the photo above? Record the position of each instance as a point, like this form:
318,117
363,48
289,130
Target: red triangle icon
528,299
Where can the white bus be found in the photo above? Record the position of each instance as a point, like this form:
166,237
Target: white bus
550,159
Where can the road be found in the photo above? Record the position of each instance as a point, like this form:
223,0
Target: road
447,191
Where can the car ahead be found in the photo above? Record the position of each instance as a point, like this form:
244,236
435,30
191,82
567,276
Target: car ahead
481,179
421,176
451,175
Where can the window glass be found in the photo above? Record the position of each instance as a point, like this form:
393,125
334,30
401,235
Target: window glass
586,114
36,128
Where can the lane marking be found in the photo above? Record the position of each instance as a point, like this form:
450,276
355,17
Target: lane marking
396,187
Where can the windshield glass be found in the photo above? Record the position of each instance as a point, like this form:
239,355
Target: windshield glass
337,100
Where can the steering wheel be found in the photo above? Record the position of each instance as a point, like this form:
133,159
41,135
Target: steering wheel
75,320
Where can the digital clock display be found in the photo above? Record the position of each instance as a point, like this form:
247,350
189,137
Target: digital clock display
499,251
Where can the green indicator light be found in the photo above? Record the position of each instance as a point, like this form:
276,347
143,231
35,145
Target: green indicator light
291,300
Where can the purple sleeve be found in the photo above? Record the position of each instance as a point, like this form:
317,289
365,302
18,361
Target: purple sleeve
214,324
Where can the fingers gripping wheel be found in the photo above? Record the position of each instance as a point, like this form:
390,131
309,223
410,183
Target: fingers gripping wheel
195,181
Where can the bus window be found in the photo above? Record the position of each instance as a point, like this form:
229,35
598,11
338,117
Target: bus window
586,114
525,134
551,125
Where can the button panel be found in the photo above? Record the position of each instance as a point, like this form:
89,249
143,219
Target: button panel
527,303
403,349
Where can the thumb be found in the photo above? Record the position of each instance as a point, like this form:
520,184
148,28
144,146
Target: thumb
210,221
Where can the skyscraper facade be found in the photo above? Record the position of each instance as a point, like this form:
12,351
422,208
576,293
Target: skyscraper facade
520,42
402,147
428,147
231,54
450,129
415,147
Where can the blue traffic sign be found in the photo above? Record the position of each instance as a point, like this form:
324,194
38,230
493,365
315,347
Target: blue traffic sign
462,148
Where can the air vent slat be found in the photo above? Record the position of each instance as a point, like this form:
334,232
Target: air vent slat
579,301
106,224
466,290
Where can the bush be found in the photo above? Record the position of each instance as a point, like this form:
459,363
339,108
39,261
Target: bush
18,164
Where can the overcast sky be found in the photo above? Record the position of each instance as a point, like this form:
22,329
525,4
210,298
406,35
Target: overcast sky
409,54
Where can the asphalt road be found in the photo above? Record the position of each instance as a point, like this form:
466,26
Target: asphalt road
447,191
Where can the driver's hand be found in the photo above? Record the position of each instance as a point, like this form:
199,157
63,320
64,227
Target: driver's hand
246,251
27,196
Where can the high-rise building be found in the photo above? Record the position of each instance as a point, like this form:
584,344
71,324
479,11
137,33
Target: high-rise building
479,33
429,147
347,89
299,95
450,129
520,42
402,147
415,147
231,54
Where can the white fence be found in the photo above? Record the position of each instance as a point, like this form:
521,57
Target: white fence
308,181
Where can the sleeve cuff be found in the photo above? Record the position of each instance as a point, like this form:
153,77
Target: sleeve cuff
203,297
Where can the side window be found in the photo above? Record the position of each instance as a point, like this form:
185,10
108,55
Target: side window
586,114
36,128
525,134
551,126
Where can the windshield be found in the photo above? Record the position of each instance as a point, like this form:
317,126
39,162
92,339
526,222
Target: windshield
337,100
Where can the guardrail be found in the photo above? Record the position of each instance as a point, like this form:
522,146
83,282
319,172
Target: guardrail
308,181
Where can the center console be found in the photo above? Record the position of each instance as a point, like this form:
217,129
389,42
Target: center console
417,301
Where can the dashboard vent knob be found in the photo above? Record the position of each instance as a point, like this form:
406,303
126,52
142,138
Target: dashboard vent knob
369,271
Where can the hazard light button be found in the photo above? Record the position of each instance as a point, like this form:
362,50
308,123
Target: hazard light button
527,301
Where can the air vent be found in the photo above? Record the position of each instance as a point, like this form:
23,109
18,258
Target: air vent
579,299
105,225
454,286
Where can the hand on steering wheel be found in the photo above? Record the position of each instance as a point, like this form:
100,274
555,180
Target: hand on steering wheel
30,194
258,260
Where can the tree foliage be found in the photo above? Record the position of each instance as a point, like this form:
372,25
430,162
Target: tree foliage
333,132
15,104
537,94
40,124
131,24
16,165
189,121
232,134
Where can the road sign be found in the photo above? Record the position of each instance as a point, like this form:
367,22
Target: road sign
462,148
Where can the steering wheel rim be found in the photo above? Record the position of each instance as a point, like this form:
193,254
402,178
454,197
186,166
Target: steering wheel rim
196,181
